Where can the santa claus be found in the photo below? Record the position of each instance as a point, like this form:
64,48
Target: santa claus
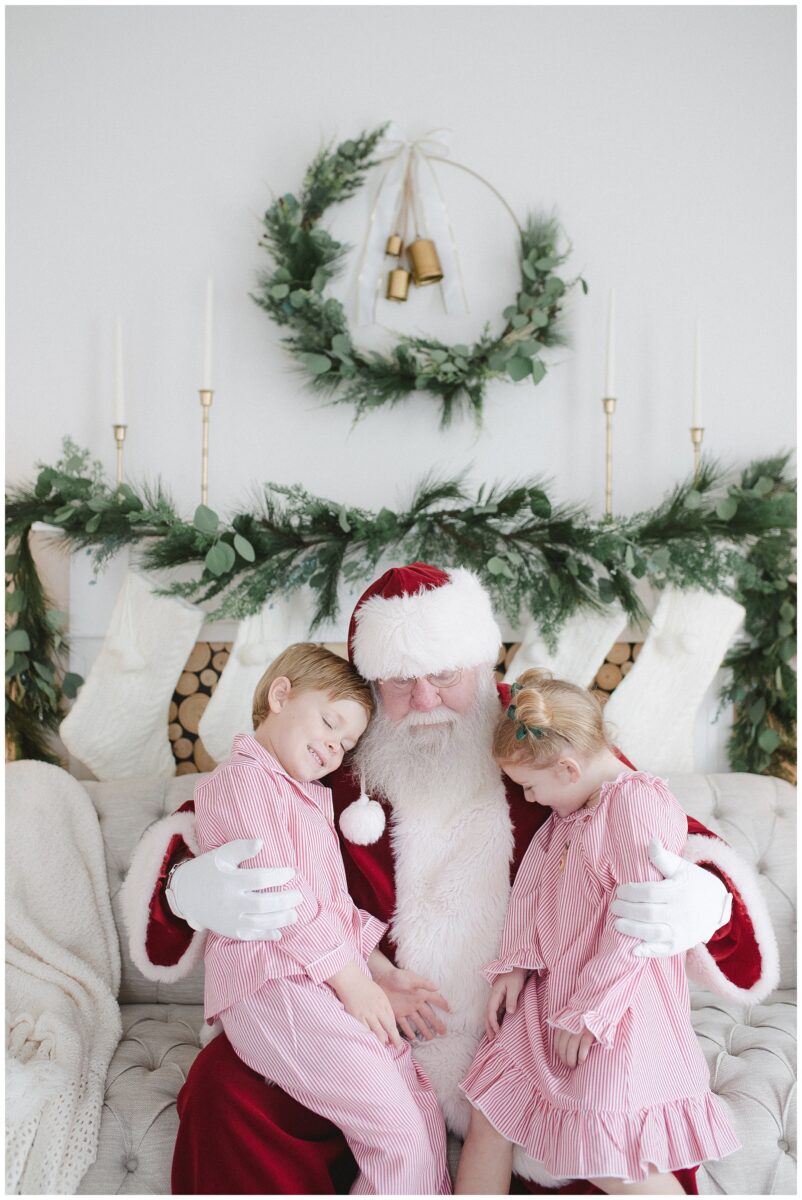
438,870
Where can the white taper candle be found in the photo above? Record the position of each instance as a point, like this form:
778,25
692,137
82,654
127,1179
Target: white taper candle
206,378
696,418
119,383
609,373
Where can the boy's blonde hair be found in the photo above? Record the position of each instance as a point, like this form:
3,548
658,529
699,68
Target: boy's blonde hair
312,668
544,714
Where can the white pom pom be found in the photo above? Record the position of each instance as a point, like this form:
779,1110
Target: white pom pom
363,821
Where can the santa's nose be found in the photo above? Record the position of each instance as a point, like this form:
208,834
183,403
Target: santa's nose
424,696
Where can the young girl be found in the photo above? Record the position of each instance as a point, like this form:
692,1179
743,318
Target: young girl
304,1011
595,1070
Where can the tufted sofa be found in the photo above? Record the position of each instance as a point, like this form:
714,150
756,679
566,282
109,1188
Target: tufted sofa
751,1050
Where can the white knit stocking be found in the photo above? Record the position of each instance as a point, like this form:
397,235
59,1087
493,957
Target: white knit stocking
259,640
653,710
584,641
118,724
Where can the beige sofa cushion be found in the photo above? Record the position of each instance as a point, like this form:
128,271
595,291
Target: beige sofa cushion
125,810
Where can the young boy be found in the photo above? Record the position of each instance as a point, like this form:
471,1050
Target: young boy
304,1011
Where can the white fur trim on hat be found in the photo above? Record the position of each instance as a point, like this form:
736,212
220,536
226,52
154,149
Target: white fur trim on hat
432,630
701,965
137,891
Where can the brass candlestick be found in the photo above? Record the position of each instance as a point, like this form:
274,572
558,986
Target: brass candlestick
119,437
697,433
206,396
609,408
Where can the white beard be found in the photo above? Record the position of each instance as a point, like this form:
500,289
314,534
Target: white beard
452,840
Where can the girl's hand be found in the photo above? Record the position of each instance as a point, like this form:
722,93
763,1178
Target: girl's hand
366,1001
503,994
412,999
573,1048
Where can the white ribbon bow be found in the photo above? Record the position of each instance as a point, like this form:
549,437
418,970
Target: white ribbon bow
402,153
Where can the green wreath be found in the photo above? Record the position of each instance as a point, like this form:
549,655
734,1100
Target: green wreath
306,257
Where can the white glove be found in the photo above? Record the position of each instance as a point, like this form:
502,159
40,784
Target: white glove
212,892
682,910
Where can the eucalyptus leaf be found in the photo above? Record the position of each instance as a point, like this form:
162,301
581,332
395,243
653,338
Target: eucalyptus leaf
497,566
342,517
70,684
220,558
206,519
768,740
538,371
15,601
519,321
539,503
518,368
280,290
757,711
341,344
244,548
318,364
727,508
17,639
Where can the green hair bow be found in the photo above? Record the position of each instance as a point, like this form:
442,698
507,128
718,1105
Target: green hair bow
512,713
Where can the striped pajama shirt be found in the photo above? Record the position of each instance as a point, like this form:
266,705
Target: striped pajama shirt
642,1097
278,1012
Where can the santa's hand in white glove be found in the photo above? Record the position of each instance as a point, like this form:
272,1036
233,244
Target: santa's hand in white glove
213,892
680,911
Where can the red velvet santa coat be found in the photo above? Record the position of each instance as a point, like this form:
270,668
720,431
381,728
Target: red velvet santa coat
444,893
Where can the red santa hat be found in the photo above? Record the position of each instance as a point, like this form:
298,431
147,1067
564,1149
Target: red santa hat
419,620
415,620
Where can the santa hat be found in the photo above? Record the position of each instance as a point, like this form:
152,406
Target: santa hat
419,620
415,620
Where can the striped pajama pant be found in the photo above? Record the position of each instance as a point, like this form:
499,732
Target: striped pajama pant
298,1035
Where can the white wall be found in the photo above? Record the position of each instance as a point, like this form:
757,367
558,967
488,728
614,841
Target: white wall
143,144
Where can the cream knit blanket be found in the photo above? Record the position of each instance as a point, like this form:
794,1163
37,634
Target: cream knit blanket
62,977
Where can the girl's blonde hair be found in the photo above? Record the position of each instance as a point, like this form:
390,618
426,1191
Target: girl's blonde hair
544,715
312,668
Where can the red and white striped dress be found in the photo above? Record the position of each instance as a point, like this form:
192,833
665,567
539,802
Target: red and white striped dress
280,1016
642,1097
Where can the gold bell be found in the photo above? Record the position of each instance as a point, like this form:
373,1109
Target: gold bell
426,267
395,245
398,284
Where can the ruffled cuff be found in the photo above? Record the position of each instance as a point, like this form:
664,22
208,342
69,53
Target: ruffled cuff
525,957
372,932
572,1021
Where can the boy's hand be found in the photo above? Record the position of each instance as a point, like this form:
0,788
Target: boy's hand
503,994
366,1001
573,1048
412,999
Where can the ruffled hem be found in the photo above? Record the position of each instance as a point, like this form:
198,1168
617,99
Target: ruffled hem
583,1143
525,957
602,1029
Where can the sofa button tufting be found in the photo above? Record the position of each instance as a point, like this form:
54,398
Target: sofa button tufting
132,1163
782,1145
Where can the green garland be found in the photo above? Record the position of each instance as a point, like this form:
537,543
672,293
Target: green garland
722,533
306,258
